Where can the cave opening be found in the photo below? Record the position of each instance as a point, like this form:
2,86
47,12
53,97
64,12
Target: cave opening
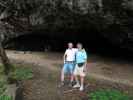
39,42
93,43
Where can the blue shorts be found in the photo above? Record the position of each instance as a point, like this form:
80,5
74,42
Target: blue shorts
68,68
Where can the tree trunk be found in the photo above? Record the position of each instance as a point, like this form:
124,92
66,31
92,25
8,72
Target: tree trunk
5,60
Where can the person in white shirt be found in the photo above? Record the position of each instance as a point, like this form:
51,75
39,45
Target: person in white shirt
69,63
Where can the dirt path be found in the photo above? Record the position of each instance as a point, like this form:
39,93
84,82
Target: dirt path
47,67
44,86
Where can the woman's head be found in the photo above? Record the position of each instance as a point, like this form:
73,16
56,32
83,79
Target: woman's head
80,46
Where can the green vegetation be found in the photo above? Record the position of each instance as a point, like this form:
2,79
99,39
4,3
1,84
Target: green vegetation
21,74
2,86
108,94
5,97
3,81
1,69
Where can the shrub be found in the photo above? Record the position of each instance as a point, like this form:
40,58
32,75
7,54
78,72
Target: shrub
3,84
1,69
21,74
2,87
108,94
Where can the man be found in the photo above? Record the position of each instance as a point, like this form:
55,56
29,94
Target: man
80,69
69,63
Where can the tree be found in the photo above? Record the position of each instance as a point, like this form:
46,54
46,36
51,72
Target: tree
4,58
5,61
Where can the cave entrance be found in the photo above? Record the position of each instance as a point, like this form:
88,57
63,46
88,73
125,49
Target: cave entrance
39,42
94,44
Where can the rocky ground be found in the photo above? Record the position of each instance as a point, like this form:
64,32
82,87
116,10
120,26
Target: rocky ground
47,66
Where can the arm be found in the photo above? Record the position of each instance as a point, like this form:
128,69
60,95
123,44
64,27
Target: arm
64,57
85,66
85,57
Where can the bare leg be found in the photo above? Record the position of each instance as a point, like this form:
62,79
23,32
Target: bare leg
82,83
72,78
62,75
82,80
76,78
77,85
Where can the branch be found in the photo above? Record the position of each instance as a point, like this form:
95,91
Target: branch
3,5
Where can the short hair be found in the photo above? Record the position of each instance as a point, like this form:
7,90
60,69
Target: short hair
79,44
70,43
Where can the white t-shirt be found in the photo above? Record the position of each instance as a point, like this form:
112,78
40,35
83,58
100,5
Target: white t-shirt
70,54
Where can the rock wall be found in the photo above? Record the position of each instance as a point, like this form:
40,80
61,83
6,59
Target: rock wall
111,19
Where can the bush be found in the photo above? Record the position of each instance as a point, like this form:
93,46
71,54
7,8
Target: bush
21,74
5,97
108,94
1,69
2,87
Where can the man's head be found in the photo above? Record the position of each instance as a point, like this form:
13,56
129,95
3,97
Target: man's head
70,45
80,46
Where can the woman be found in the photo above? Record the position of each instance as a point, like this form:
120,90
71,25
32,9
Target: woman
80,69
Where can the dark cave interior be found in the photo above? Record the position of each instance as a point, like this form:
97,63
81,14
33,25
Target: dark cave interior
93,43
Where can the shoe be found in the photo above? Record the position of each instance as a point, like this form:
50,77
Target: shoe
71,84
81,88
76,86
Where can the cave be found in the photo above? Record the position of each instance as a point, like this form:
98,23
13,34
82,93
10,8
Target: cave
94,43
105,31
56,41
38,42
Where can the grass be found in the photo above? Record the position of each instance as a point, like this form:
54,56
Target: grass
3,81
21,73
3,85
105,90
108,94
5,97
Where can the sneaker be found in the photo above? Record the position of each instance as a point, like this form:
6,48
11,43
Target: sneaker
81,88
76,86
71,84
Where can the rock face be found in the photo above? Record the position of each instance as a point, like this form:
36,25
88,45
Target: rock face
83,19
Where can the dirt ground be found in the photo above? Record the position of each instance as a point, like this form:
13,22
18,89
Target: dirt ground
47,66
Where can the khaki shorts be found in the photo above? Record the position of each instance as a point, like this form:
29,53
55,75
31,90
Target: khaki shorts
79,71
